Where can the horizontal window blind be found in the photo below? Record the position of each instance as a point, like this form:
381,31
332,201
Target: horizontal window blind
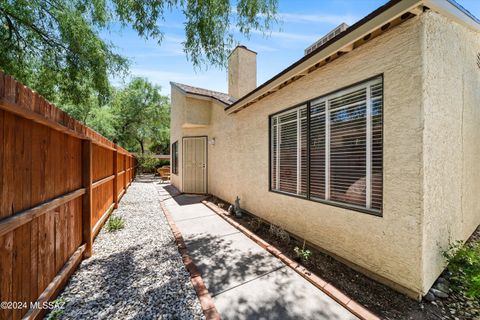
289,151
331,148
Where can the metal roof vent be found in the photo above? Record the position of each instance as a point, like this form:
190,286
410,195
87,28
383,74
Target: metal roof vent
335,32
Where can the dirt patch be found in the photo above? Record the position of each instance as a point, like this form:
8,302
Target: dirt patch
375,296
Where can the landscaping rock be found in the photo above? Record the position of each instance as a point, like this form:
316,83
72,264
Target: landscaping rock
438,293
442,287
136,272
430,297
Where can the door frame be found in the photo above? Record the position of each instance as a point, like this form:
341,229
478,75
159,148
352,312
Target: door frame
206,161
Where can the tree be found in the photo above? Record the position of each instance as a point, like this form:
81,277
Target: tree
141,115
54,46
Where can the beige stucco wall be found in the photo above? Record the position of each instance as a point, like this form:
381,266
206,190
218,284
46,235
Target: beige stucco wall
177,118
197,112
389,246
451,139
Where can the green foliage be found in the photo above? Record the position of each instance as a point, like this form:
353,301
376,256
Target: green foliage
147,163
55,47
464,264
141,115
303,253
115,224
103,121
163,162
57,311
210,26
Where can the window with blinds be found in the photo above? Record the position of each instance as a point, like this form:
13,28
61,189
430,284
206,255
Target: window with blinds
175,157
289,161
330,149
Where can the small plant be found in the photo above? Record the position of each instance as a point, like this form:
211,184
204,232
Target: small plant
303,253
279,233
57,311
464,265
115,223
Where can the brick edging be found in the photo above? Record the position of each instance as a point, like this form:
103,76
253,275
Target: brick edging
348,303
206,301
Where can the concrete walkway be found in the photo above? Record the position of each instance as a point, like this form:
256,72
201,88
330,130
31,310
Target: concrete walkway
245,281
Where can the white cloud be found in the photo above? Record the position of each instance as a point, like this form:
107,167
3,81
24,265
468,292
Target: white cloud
300,37
261,47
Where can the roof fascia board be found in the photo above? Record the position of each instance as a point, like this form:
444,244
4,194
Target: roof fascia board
454,12
204,97
174,85
394,12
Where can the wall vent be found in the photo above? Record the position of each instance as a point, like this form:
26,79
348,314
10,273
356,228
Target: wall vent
335,32
478,60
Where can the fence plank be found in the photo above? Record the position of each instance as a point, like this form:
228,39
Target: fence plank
6,273
8,192
46,255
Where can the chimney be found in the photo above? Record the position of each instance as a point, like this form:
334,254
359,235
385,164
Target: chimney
242,71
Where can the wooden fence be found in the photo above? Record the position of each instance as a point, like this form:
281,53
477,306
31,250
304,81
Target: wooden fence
59,181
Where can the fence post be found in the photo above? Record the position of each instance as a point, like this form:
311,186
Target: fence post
87,197
115,180
125,174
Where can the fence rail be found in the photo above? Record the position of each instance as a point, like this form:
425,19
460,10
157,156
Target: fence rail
59,182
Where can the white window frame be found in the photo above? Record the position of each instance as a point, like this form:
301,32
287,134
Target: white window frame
367,85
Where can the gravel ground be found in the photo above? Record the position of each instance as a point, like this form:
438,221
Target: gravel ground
136,272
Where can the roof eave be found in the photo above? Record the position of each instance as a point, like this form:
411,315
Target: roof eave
346,39
455,12
198,95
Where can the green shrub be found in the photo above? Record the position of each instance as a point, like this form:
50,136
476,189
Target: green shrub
303,253
147,163
57,311
115,223
163,162
464,265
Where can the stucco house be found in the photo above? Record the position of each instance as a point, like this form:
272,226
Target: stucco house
368,146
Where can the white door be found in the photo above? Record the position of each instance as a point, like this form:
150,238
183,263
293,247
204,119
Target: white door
195,165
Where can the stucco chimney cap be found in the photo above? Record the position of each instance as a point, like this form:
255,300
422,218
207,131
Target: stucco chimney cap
241,46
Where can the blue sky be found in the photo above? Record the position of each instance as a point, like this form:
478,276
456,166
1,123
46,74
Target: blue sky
304,22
